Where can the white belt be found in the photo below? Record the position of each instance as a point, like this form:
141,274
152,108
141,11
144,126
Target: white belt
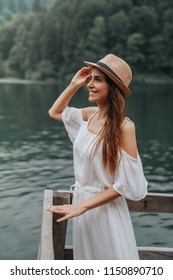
79,188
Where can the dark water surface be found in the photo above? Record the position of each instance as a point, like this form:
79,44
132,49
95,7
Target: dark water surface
35,154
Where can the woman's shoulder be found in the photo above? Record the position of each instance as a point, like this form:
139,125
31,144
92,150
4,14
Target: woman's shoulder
127,123
88,112
127,128
128,137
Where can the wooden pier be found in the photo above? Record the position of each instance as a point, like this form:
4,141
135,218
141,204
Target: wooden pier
53,234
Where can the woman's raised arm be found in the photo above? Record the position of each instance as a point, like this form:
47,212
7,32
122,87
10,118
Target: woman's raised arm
79,80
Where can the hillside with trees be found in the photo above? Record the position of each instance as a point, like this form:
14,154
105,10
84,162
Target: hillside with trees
40,43
10,7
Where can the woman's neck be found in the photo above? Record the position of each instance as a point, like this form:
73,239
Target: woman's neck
102,111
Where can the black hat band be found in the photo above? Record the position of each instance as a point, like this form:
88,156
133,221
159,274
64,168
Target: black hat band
103,65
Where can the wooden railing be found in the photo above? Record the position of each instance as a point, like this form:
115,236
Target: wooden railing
53,234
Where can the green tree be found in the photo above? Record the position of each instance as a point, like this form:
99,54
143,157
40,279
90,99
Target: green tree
18,53
86,11
2,6
135,55
22,6
96,40
11,4
2,21
157,56
37,6
113,6
144,20
7,15
44,71
118,32
7,35
34,39
67,36
46,3
167,35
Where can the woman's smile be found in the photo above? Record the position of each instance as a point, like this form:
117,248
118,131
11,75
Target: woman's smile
91,92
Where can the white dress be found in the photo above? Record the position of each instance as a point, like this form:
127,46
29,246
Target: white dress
105,232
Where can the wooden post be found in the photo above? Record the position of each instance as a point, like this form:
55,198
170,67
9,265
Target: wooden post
46,248
59,229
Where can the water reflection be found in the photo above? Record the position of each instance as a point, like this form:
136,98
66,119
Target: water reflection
160,173
35,154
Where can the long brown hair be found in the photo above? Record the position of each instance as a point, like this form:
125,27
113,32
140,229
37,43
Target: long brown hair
110,134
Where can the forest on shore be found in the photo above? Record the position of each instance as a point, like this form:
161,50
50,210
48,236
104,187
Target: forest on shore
49,40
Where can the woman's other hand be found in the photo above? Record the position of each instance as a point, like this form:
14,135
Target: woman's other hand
68,210
73,210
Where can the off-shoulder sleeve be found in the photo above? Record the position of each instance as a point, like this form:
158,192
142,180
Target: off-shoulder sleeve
72,119
129,179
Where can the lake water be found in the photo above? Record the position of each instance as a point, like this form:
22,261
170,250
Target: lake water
35,154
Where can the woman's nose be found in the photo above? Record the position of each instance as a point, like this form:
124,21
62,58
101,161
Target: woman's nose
90,83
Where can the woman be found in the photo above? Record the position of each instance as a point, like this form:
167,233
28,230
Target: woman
107,166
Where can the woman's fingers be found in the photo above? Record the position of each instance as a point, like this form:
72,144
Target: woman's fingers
82,76
61,209
68,210
56,209
66,217
85,71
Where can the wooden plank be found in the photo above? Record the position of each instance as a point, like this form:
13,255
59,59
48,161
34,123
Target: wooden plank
46,249
153,202
155,253
145,253
59,229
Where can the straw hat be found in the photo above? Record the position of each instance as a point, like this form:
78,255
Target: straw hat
117,69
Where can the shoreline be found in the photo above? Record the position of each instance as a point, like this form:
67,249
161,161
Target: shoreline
145,79
23,81
152,79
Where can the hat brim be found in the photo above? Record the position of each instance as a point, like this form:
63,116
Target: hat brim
125,90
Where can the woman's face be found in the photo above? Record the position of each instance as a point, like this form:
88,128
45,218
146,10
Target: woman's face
98,87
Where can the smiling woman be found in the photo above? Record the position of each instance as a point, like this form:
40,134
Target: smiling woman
105,151
36,154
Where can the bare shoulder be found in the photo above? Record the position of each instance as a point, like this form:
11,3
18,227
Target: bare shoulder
128,126
128,138
88,112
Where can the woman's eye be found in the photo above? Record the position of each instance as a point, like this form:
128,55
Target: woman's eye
98,79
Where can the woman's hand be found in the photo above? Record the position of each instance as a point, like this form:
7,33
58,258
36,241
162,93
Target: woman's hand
73,210
68,210
81,77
